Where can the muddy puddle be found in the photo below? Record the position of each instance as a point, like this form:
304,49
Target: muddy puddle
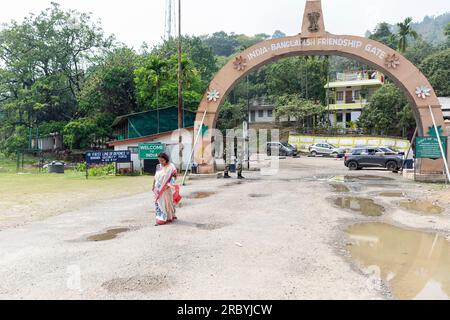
201,195
258,195
365,206
362,178
232,184
340,188
392,194
414,264
211,226
141,284
422,206
107,235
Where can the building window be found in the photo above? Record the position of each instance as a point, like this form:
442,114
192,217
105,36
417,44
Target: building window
340,96
270,113
348,117
339,117
252,116
261,113
357,95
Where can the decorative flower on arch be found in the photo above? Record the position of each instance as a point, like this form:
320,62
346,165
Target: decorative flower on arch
423,92
392,61
240,63
213,95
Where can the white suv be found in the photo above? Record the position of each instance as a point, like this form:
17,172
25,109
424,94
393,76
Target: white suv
326,149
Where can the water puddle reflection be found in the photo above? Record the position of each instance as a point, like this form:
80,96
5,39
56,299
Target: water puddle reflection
392,194
340,188
414,264
422,206
367,207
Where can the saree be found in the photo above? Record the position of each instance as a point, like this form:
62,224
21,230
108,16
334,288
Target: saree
167,194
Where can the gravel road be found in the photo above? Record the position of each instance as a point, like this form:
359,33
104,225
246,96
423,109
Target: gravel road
268,237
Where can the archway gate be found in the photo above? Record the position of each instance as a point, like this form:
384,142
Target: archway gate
314,40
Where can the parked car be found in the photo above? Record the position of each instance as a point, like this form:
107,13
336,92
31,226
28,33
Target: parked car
326,149
372,157
282,149
391,151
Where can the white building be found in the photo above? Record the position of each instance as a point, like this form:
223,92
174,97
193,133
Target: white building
350,94
261,111
49,143
169,139
445,103
156,126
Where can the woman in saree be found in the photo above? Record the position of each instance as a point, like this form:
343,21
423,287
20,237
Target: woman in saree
166,191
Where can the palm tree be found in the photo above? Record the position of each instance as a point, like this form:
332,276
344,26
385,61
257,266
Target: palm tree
405,31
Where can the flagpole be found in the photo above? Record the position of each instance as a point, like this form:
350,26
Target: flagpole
180,90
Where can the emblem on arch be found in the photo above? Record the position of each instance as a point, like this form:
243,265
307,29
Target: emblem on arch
423,92
213,95
392,61
313,18
240,63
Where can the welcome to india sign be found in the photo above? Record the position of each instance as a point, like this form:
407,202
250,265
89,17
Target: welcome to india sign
150,151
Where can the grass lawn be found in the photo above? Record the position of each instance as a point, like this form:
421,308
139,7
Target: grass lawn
33,196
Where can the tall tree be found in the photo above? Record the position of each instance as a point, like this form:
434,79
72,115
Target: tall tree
419,51
201,55
388,113
44,59
301,75
437,69
405,32
221,43
109,87
383,34
294,106
278,34
447,34
156,83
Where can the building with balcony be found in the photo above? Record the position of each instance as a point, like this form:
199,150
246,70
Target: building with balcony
261,110
349,94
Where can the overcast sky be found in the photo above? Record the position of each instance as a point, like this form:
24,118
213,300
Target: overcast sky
135,21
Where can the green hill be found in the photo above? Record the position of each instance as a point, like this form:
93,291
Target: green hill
431,28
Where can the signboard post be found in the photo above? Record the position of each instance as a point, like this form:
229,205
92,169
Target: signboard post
150,151
428,147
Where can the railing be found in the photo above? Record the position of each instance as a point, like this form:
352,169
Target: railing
355,76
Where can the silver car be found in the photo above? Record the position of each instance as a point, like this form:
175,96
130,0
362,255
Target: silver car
326,149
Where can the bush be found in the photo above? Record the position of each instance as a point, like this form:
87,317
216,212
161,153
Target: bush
17,141
97,170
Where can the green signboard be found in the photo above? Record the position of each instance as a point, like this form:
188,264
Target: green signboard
150,151
428,147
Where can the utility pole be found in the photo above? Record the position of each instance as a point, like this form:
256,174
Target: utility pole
247,132
180,91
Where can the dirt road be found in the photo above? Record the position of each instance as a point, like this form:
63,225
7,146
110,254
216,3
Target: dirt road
269,237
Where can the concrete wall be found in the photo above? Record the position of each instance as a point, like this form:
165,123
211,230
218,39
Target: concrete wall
264,118
303,142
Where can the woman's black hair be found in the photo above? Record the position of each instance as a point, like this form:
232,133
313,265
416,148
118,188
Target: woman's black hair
164,156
